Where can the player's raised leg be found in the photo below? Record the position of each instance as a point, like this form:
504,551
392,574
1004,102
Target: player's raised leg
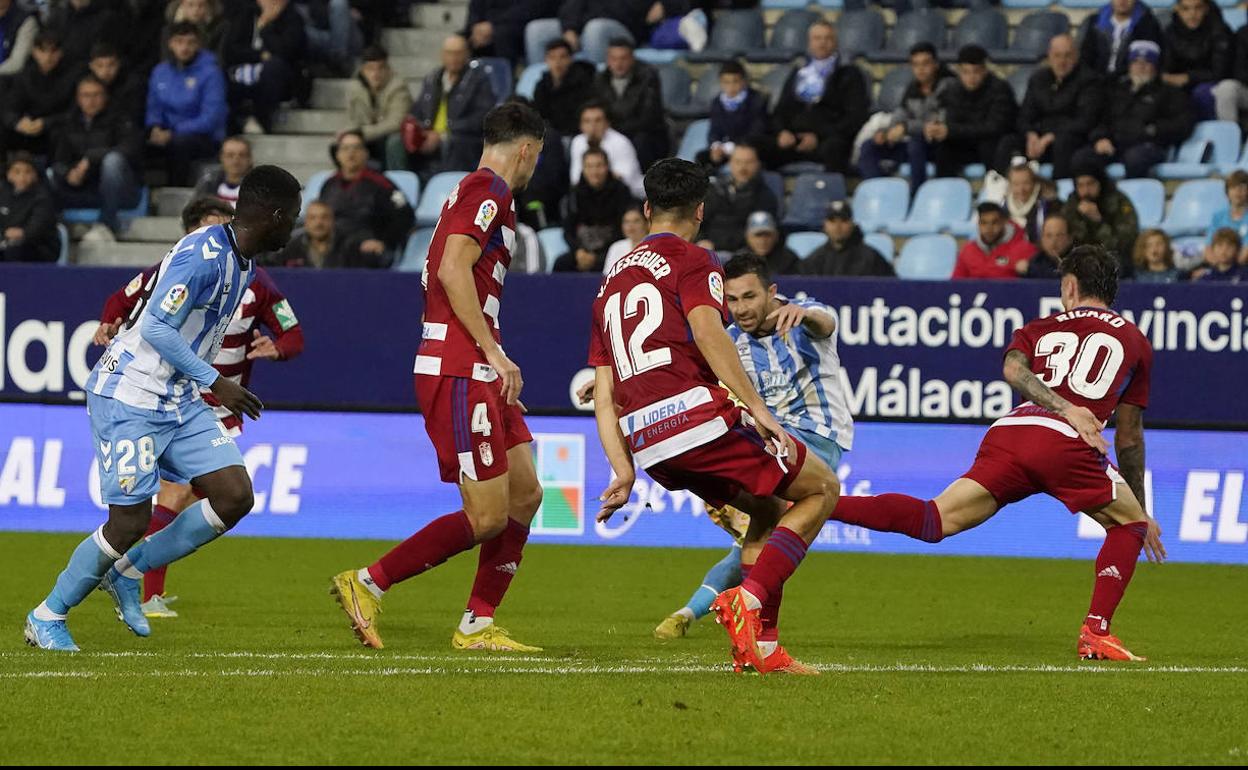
1126,527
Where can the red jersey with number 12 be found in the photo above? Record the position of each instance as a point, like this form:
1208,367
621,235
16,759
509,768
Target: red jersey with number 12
667,398
481,208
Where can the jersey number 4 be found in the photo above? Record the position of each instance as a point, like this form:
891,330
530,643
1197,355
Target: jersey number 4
1089,366
630,359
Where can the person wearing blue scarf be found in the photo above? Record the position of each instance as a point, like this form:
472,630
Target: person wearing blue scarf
738,114
1109,33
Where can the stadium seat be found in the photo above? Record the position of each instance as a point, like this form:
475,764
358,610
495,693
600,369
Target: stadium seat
1149,198
416,252
62,237
1235,18
986,27
1227,168
733,33
880,201
676,87
927,258
917,26
881,243
658,56
804,243
834,4
498,70
1065,188
777,5
312,190
554,245
1031,38
526,86
938,205
1025,3
408,183
705,90
1018,80
91,216
696,139
860,32
439,186
893,88
773,83
775,182
537,34
1213,144
1082,3
596,35
1193,206
808,205
788,37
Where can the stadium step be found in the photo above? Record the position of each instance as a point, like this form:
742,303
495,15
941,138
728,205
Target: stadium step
330,93
422,43
162,230
169,201
304,171
448,17
120,254
284,149
310,121
415,68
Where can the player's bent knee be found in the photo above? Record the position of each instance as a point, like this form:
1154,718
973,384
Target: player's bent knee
487,525
233,504
530,500
125,528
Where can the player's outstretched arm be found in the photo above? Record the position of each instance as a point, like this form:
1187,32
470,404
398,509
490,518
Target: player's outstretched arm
1129,447
1017,372
455,275
613,444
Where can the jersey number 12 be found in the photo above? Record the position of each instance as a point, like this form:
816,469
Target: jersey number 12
630,359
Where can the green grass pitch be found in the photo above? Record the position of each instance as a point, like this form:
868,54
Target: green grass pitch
928,659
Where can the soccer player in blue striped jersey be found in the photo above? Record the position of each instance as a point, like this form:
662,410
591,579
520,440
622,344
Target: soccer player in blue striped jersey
788,348
147,415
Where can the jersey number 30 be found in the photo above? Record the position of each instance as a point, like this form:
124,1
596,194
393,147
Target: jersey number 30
1069,359
644,299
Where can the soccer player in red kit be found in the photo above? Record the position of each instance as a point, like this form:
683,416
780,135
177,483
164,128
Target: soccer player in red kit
660,350
1075,368
264,304
469,393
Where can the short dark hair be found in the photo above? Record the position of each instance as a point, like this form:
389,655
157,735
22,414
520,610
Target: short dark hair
374,53
972,54
594,150
593,104
513,120
91,80
1095,269
923,47
21,156
47,38
1226,235
990,207
103,49
195,211
180,28
265,187
621,42
675,186
559,43
240,138
732,68
744,264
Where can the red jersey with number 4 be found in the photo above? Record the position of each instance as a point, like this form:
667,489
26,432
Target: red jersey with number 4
1092,357
667,398
481,208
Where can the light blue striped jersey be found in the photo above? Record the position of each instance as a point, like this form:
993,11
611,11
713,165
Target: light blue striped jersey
196,290
799,376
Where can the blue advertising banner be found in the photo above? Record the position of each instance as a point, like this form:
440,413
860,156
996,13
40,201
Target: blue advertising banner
352,475
911,349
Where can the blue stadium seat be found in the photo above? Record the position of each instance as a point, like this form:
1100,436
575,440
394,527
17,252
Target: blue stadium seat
860,32
1082,3
1227,168
880,201
91,216
1193,206
498,70
1018,80
1032,36
408,183
705,90
775,182
834,4
1213,144
986,27
804,243
788,36
696,139
62,237
554,245
733,33
918,26
927,258
1235,18
658,55
1149,198
596,35
893,88
808,205
938,205
676,87
773,83
526,86
1065,188
537,34
416,252
312,190
439,186
1025,3
881,243
776,5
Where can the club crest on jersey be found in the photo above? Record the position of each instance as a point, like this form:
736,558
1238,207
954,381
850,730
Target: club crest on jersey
717,287
174,300
486,214
487,454
454,196
126,483
135,285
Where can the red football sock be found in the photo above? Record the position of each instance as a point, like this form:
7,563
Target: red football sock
780,556
441,539
1115,565
919,519
769,615
497,565
154,579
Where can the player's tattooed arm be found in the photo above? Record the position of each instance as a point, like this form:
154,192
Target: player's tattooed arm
1129,446
1018,373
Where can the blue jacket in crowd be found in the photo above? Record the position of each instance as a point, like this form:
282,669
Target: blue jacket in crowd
190,99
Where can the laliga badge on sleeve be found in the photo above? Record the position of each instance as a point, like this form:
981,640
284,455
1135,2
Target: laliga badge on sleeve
486,214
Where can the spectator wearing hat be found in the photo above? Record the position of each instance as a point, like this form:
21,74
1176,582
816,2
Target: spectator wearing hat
978,110
1108,33
1099,214
997,250
1055,243
762,239
1197,53
377,102
27,214
904,139
845,253
369,211
1144,119
730,201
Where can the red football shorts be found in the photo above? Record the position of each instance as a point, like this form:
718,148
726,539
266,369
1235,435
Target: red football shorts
470,425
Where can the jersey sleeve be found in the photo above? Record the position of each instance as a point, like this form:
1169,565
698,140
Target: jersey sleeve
187,283
702,283
597,348
476,212
1023,341
123,301
1136,392
276,314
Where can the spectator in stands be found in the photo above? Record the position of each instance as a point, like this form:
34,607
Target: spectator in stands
318,244
82,23
596,131
1099,214
595,209
333,31
1000,250
636,15
1154,258
565,87
1055,243
27,214
1231,95
452,105
1236,215
731,199
127,91
630,91
1196,53
822,106
264,54
1108,34
38,97
17,36
1144,119
222,181
904,140
1062,105
635,228
206,15
496,27
1025,202
370,211
762,239
95,157
978,110
738,114
1224,264
845,253
377,102
185,104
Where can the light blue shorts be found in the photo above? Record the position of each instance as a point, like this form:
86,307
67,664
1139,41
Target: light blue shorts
136,447
825,448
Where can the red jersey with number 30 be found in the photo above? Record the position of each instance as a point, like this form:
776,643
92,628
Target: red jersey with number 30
481,208
1092,357
667,398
